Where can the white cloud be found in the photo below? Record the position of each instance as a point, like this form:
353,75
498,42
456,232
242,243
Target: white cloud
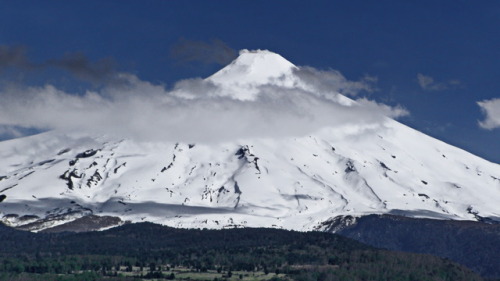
389,111
198,110
333,81
491,110
428,83
9,132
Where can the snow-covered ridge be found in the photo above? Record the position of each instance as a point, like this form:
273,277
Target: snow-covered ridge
293,183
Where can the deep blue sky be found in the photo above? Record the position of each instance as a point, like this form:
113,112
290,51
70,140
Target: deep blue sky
392,40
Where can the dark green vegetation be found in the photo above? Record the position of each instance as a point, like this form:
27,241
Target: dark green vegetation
232,254
473,244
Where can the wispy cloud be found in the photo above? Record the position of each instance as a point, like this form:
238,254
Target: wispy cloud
333,81
389,111
14,57
491,111
102,71
98,72
8,132
428,83
215,51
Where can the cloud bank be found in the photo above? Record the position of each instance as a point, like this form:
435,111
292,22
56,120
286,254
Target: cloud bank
491,111
198,110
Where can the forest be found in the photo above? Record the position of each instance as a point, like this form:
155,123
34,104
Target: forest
147,251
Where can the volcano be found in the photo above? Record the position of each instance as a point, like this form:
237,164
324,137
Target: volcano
294,182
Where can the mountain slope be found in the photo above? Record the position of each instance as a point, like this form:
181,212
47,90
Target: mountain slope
287,182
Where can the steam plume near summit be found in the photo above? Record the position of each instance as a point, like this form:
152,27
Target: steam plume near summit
199,110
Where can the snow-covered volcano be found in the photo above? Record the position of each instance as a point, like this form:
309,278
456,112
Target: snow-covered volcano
289,182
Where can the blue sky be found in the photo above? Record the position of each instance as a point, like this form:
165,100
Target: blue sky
435,58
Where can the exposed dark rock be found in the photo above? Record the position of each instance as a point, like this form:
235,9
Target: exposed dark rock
244,153
117,168
382,164
94,179
350,167
423,195
64,214
256,164
336,224
2,197
236,188
240,153
28,174
67,176
11,216
85,224
168,167
7,188
192,169
66,150
46,162
87,153
28,218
